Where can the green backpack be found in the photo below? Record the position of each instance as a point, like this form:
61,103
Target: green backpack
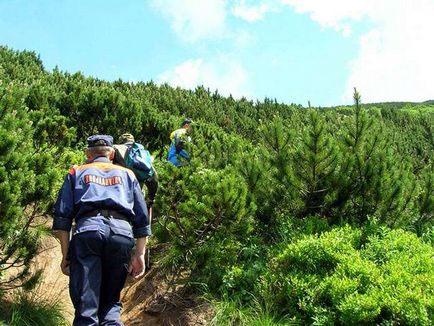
138,159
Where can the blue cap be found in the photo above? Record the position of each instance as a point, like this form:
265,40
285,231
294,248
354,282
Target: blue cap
186,122
100,140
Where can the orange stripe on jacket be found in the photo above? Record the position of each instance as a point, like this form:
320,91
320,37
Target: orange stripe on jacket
103,166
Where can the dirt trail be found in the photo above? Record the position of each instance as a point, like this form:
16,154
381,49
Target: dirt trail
149,301
54,284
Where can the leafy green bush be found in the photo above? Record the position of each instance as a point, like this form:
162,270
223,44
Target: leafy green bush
339,278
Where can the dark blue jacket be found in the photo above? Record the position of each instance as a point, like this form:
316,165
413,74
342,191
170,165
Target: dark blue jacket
101,185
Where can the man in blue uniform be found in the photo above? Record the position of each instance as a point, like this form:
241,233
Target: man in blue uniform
109,211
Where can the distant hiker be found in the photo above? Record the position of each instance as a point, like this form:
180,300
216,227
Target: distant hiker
134,156
178,139
107,205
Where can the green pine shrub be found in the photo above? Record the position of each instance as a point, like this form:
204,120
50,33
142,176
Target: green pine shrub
371,181
315,163
31,170
18,185
208,219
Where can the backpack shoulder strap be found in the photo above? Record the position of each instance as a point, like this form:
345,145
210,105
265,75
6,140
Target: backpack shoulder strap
121,152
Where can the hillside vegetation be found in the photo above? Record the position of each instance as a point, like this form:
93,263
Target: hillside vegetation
285,214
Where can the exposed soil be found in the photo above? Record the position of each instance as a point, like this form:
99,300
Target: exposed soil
54,284
153,300
157,300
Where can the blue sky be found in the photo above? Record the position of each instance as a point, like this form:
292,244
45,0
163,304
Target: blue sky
292,50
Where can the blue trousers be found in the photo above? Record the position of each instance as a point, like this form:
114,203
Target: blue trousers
99,255
172,155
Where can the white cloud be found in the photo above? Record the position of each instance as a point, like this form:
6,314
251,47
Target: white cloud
222,73
197,20
242,38
250,13
395,62
335,14
194,20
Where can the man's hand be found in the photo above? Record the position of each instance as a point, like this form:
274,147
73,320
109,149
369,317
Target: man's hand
137,266
64,266
150,202
64,245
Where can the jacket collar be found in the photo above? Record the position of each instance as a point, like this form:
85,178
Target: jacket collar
99,159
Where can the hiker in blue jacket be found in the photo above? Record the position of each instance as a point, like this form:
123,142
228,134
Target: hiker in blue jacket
127,140
178,139
106,203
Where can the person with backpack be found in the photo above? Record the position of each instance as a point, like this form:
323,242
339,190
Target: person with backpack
178,139
107,205
134,156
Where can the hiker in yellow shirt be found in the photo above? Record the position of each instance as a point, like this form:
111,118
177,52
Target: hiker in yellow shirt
178,139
